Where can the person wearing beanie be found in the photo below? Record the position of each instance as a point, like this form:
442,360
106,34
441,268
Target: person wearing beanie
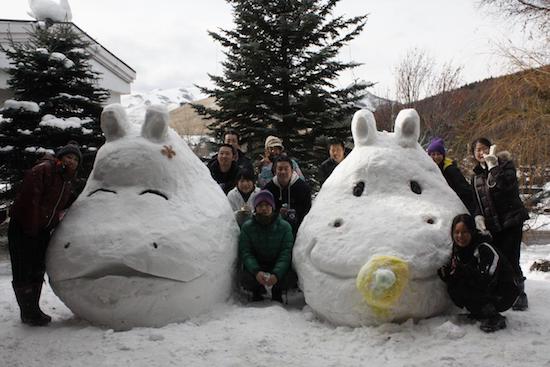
44,195
273,149
449,168
265,251
241,198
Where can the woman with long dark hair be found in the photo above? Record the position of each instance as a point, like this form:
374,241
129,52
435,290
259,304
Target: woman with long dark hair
477,276
498,207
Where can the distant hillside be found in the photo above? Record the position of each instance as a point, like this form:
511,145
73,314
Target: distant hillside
513,111
186,121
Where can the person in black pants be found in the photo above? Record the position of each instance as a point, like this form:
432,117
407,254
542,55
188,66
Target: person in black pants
477,276
498,207
45,193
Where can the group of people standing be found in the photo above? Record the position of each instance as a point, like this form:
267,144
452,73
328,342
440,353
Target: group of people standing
269,218
484,274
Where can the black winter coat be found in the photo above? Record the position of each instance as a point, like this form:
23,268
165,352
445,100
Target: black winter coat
326,169
458,183
496,195
243,162
479,274
226,180
297,195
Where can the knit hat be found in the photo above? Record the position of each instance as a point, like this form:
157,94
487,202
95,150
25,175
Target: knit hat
266,196
273,141
436,145
71,147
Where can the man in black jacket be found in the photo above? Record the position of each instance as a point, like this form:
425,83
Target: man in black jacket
292,194
224,169
233,138
336,152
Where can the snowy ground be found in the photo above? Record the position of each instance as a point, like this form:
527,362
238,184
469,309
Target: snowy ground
271,335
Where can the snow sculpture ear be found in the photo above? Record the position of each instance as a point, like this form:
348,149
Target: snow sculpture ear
155,126
114,122
407,127
363,128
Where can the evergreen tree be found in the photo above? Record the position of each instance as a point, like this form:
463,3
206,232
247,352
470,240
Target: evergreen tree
56,100
279,75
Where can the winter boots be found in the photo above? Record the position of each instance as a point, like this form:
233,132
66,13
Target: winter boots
493,323
277,294
490,319
28,296
521,303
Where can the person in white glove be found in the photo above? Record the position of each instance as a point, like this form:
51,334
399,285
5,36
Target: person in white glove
480,224
498,207
491,159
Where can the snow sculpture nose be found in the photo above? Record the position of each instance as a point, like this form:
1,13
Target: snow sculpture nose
381,281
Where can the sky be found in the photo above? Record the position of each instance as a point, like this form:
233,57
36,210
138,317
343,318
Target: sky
166,41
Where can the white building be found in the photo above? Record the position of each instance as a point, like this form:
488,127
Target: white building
116,76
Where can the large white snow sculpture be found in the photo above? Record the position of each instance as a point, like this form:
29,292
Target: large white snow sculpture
50,9
152,239
368,250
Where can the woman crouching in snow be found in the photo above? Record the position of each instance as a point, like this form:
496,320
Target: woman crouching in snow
477,276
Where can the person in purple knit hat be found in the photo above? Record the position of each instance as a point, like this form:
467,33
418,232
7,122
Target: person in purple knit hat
451,172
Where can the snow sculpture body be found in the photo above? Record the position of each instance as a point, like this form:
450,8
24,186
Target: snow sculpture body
152,238
50,9
369,249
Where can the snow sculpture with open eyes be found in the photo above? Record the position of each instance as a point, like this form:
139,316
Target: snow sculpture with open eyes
369,249
151,239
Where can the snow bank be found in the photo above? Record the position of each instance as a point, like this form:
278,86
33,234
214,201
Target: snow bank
368,250
152,238
266,334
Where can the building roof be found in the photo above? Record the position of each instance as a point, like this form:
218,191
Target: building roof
100,55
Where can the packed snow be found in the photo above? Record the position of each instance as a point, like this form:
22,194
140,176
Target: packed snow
268,334
57,11
12,104
59,57
152,238
66,123
357,241
39,150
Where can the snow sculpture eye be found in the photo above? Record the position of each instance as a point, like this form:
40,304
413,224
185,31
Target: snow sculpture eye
154,192
415,187
359,188
102,190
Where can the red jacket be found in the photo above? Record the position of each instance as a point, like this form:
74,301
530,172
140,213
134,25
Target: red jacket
45,192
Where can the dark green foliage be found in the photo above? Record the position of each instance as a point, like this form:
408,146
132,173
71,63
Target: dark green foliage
278,78
53,70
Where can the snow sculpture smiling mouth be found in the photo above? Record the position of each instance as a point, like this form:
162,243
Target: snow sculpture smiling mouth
370,246
133,249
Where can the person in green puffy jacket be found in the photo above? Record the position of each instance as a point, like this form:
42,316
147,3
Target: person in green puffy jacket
265,251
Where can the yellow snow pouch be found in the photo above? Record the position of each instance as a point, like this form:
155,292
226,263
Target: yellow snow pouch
381,282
